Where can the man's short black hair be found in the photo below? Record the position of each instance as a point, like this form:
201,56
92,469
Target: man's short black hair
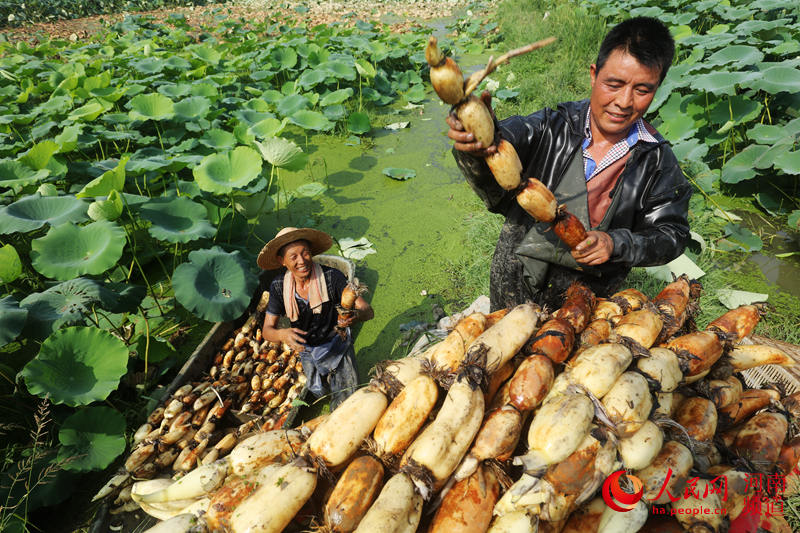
645,38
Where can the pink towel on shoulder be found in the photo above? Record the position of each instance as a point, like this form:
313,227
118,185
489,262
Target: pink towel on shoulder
317,293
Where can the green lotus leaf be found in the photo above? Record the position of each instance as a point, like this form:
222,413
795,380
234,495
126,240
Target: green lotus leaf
10,264
789,162
776,79
77,366
292,104
204,89
743,110
15,175
214,285
690,150
741,167
68,250
68,138
732,298
206,53
156,350
400,174
109,94
794,219
720,82
334,112
336,97
151,106
175,90
91,438
773,203
177,219
740,238
149,65
269,127
251,206
218,139
177,63
309,190
89,111
42,129
339,69
109,209
193,107
738,53
311,78
768,157
365,68
33,212
47,189
282,153
771,134
221,172
311,120
110,180
358,123
40,154
12,319
284,57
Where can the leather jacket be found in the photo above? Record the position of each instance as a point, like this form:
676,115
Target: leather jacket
649,226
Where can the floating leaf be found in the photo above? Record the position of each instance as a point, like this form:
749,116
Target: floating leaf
732,299
68,250
310,189
91,438
10,264
356,250
400,174
177,219
77,366
397,125
110,180
282,153
214,285
311,120
33,212
15,175
358,123
153,106
12,319
740,238
221,172
680,265
741,167
336,97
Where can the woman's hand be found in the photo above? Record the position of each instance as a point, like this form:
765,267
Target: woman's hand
596,249
294,337
465,142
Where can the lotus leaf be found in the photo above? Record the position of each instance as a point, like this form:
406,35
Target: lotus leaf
15,175
741,166
311,120
416,93
311,78
690,150
221,172
282,153
794,219
365,68
269,127
284,57
740,238
292,103
90,111
193,107
77,366
68,138
109,209
720,82
334,112
40,154
110,180
12,319
336,97
732,299
738,54
214,285
789,162
177,63
773,203
204,89
157,349
175,90
10,264
251,206
252,116
68,250
47,189
356,249
680,265
153,106
33,212
41,130
218,139
771,134
776,79
91,438
309,190
177,219
735,109
400,174
358,123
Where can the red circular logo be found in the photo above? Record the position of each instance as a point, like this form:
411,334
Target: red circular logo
613,491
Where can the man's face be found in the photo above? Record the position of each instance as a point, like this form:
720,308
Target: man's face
297,259
621,93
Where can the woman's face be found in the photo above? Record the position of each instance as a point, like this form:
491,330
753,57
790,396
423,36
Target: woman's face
297,259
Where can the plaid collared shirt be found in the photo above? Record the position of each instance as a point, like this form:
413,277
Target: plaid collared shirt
637,133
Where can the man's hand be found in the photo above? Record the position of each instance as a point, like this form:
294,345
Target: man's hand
465,142
596,249
295,338
347,320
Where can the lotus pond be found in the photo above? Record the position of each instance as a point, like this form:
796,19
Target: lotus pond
142,169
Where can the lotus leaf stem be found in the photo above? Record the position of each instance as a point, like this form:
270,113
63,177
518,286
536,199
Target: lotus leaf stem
147,338
691,179
132,241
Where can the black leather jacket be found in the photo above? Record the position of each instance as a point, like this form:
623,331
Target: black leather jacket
650,225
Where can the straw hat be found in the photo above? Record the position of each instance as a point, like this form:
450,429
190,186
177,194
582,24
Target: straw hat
319,240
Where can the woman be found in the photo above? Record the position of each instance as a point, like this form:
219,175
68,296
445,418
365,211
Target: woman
307,294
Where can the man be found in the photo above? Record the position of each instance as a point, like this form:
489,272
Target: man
308,293
612,170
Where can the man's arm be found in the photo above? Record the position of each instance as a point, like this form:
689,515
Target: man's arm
662,231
